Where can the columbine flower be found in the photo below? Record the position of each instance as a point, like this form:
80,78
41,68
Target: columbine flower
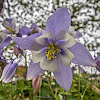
29,31
10,30
10,26
34,28
55,49
8,72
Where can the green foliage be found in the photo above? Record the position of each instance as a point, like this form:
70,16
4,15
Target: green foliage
23,89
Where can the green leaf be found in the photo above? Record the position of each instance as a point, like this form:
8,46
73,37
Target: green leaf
72,89
67,93
45,91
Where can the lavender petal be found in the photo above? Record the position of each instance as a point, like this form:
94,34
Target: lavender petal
64,76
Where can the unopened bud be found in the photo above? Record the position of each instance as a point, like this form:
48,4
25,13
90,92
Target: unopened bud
15,50
36,82
95,89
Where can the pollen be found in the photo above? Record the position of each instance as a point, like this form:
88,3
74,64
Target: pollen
52,51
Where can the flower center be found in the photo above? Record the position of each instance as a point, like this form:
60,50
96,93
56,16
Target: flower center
52,51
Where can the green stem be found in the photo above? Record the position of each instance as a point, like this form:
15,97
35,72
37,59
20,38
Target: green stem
11,91
84,93
30,95
25,62
22,96
16,97
91,75
65,97
79,84
39,93
50,87
4,90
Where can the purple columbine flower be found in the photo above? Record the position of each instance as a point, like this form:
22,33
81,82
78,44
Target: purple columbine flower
54,49
11,31
29,31
8,72
6,35
10,26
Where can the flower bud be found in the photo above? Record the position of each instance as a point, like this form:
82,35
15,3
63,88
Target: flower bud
8,72
36,83
15,50
95,89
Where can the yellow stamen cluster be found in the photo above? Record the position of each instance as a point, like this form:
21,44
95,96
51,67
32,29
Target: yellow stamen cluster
12,30
52,51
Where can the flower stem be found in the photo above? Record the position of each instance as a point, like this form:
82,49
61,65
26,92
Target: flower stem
84,92
30,95
91,75
22,94
79,84
25,62
40,93
50,87
11,91
65,97
4,90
